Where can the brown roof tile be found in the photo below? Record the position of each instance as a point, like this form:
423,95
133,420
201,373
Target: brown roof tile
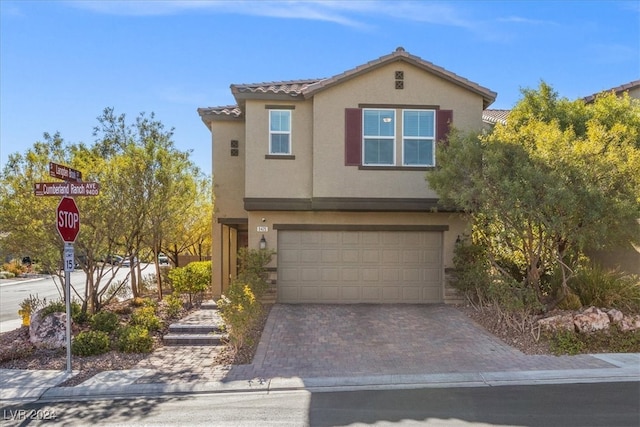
618,90
495,116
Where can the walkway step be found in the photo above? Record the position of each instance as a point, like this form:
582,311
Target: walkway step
193,339
201,327
183,328
209,305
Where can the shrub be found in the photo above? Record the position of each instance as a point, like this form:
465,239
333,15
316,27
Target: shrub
138,302
90,343
105,321
14,267
7,275
240,311
174,305
598,287
471,264
146,317
54,307
565,342
252,269
192,279
135,339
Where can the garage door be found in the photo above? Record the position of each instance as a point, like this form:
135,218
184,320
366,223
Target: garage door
359,266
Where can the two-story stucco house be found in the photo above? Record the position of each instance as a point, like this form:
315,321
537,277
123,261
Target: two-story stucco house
330,174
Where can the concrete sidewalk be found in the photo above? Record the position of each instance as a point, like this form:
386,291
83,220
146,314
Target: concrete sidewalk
323,348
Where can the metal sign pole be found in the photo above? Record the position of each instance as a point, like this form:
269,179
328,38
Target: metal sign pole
68,267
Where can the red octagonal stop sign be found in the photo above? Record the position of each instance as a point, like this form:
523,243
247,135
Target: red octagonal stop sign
68,219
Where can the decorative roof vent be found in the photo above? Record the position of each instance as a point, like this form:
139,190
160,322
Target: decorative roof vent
399,49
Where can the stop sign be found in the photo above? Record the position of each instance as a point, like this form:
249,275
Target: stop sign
68,219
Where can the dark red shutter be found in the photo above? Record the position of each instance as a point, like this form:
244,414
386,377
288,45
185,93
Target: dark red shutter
444,120
353,136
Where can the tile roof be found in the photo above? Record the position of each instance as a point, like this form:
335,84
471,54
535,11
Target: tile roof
291,87
495,116
618,90
400,54
308,87
227,110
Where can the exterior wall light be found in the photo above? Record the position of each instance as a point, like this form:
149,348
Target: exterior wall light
263,243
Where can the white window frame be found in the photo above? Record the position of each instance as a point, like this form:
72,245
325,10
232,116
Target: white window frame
272,132
392,138
432,138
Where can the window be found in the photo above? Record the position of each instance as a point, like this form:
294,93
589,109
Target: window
370,136
279,132
379,137
418,136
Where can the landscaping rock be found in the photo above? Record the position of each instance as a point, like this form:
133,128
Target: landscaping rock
615,315
630,323
591,320
48,331
558,322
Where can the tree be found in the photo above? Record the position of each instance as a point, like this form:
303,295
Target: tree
147,186
560,177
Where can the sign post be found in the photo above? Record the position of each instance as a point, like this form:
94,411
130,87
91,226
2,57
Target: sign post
68,225
67,222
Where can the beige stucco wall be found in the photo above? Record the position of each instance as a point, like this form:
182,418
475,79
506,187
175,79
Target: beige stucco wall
332,179
273,177
228,171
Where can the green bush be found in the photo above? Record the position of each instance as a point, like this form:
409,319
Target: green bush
105,321
174,305
472,272
566,342
7,275
135,339
90,343
147,318
192,279
54,307
240,311
252,269
598,287
60,306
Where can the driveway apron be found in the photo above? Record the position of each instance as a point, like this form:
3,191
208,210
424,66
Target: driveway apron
323,340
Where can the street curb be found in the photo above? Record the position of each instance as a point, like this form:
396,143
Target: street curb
374,382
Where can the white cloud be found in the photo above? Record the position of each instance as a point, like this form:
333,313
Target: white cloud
347,13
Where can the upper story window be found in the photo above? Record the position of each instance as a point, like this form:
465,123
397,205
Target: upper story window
418,137
379,132
371,141
280,132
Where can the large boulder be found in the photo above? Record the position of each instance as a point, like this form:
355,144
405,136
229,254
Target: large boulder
562,322
48,331
591,320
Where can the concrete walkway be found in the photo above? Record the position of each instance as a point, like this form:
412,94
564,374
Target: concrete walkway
329,347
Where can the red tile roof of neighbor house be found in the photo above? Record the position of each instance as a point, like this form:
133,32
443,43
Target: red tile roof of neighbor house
495,116
618,90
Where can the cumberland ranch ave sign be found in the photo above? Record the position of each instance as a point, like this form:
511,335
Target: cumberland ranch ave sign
66,188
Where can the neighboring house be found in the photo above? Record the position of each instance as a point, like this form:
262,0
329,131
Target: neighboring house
330,173
626,259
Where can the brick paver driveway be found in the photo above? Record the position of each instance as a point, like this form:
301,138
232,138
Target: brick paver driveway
322,340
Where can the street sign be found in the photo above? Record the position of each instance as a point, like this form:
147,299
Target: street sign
68,219
66,188
64,172
69,262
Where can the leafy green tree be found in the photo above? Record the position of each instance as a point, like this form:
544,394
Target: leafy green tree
560,177
140,173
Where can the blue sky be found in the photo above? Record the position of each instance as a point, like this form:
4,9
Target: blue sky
63,62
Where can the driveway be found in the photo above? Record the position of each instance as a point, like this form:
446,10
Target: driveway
322,340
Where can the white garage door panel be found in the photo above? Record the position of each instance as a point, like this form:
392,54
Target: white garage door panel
359,266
